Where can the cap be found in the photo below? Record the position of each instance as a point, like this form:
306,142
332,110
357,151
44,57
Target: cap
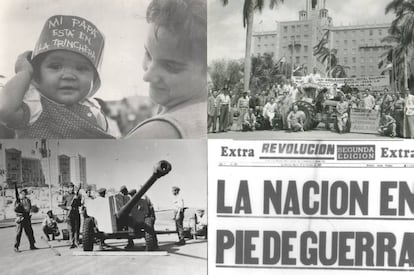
101,190
132,192
123,187
49,212
175,188
75,34
24,190
71,184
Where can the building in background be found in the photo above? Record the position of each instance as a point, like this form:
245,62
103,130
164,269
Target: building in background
78,171
32,172
64,169
13,166
359,46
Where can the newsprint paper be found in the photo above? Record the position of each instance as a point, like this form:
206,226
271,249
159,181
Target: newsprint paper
320,207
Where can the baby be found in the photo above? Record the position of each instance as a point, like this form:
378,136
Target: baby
50,95
175,65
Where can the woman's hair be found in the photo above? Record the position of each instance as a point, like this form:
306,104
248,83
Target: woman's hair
185,18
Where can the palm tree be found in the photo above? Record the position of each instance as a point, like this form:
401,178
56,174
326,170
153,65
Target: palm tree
249,7
403,25
395,55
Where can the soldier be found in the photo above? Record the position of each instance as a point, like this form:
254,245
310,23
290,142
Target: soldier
178,204
22,208
71,203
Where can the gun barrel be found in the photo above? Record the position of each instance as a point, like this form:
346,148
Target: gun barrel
161,169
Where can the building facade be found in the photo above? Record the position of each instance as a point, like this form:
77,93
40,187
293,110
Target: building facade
13,165
64,169
32,172
78,171
358,47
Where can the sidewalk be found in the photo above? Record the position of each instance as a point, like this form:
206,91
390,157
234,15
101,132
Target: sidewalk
10,222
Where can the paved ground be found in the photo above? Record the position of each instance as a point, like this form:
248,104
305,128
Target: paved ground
189,259
316,134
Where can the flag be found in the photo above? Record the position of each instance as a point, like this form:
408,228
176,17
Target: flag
324,40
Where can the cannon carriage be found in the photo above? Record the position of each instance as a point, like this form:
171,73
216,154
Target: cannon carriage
110,217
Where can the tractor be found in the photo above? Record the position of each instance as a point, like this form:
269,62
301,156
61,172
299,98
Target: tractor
320,110
110,217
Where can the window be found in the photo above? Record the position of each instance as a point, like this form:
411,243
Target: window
285,29
354,42
306,36
305,59
363,68
380,32
305,48
297,37
345,60
298,27
362,60
353,50
345,42
297,59
353,59
293,28
371,32
306,27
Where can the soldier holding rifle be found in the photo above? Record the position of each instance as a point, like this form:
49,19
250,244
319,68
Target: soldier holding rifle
22,208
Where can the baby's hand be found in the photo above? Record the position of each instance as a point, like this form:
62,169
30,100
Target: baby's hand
23,63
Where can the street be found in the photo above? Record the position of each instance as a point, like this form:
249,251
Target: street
188,259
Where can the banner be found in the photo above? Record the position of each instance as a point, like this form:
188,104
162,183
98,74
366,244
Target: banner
364,121
322,207
362,83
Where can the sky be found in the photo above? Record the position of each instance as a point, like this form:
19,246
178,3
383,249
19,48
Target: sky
226,35
123,25
130,163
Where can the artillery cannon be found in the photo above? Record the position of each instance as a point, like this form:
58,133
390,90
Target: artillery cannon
110,218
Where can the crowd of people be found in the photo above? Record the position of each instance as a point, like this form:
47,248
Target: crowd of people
276,108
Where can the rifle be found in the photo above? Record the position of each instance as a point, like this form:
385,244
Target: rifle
19,207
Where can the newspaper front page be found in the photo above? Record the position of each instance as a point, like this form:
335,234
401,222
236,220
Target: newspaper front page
321,207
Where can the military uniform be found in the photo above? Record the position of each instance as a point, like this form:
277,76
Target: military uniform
23,221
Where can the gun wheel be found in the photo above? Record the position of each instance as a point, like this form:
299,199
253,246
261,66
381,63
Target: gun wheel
88,237
151,241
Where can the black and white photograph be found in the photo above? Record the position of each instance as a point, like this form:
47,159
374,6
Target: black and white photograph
103,69
310,69
103,207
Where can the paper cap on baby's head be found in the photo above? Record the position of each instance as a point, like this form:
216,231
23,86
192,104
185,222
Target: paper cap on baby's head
75,34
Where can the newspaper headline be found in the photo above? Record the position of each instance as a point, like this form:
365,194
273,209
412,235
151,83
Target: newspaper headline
317,206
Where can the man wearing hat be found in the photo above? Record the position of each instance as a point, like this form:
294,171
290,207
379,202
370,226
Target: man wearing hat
178,206
71,203
102,192
22,208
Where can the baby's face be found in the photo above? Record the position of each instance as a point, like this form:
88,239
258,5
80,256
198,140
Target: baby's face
65,77
174,76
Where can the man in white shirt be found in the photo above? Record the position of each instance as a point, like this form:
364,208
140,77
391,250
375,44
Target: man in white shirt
178,206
